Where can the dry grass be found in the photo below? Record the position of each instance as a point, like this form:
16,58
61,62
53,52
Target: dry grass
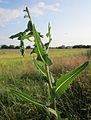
19,72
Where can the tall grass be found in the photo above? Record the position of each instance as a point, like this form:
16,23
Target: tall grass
19,73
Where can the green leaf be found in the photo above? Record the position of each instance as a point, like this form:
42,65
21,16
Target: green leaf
38,42
23,37
47,59
26,97
16,35
49,31
29,25
35,50
39,48
53,112
40,35
64,82
45,56
39,67
48,35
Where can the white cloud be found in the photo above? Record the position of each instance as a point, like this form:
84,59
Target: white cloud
8,15
41,8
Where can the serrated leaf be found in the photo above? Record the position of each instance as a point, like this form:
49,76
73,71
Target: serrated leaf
26,97
64,82
39,67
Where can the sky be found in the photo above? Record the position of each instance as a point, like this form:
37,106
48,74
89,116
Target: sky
70,20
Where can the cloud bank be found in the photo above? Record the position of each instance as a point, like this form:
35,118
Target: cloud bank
41,8
8,15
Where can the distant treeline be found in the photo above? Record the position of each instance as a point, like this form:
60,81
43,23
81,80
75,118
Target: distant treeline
60,47
12,47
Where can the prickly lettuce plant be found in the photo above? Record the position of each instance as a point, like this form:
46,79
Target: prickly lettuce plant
42,62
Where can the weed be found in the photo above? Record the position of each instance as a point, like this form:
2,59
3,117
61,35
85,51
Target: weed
55,88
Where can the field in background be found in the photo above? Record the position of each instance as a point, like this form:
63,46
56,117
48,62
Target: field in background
19,72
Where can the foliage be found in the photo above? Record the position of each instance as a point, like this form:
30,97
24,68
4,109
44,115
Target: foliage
42,63
81,46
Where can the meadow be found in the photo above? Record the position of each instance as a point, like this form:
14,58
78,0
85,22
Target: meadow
19,72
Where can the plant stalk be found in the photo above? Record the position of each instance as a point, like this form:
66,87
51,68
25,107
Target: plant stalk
51,88
48,77
52,100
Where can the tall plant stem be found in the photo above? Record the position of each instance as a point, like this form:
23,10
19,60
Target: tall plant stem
53,101
48,77
51,92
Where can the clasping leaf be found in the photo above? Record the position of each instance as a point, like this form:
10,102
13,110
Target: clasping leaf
41,54
64,82
39,67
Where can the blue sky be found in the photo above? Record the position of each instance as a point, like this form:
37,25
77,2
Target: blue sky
70,20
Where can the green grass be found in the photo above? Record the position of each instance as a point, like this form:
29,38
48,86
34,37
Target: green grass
19,72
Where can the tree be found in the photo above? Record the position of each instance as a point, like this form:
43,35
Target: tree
28,47
11,47
4,47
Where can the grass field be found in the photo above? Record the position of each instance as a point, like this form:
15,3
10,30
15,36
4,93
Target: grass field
19,72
